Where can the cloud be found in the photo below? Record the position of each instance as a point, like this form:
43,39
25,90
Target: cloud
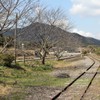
87,34
85,7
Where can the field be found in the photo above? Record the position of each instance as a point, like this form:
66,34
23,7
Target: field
31,79
16,81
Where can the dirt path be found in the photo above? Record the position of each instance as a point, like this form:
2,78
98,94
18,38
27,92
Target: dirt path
42,92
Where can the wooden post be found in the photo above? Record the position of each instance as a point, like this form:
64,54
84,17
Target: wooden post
15,37
23,53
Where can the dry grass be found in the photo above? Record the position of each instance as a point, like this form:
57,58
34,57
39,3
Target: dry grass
5,90
96,56
68,62
62,64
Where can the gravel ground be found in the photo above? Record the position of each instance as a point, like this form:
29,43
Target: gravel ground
77,89
42,93
74,70
94,91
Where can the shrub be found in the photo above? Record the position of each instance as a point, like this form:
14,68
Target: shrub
1,59
84,52
97,51
43,67
6,59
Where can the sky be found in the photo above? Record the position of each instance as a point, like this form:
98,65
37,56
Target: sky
84,15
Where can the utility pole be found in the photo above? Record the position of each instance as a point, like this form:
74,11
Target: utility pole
15,37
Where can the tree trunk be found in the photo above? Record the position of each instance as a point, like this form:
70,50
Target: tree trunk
43,58
2,40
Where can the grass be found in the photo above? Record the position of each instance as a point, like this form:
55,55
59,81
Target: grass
14,96
34,78
34,74
39,75
83,81
25,80
64,63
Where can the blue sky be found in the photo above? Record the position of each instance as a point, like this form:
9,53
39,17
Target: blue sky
83,14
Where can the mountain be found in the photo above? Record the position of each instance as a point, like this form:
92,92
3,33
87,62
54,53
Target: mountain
86,40
29,34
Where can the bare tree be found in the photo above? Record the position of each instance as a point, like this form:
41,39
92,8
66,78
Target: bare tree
57,17
44,39
49,32
8,10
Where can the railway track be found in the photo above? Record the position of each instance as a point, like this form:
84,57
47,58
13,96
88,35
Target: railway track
94,68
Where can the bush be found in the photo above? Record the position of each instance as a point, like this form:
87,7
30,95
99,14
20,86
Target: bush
84,52
6,59
43,67
97,51
1,59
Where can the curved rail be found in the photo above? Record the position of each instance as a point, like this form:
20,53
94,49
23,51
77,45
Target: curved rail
90,81
89,84
56,96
